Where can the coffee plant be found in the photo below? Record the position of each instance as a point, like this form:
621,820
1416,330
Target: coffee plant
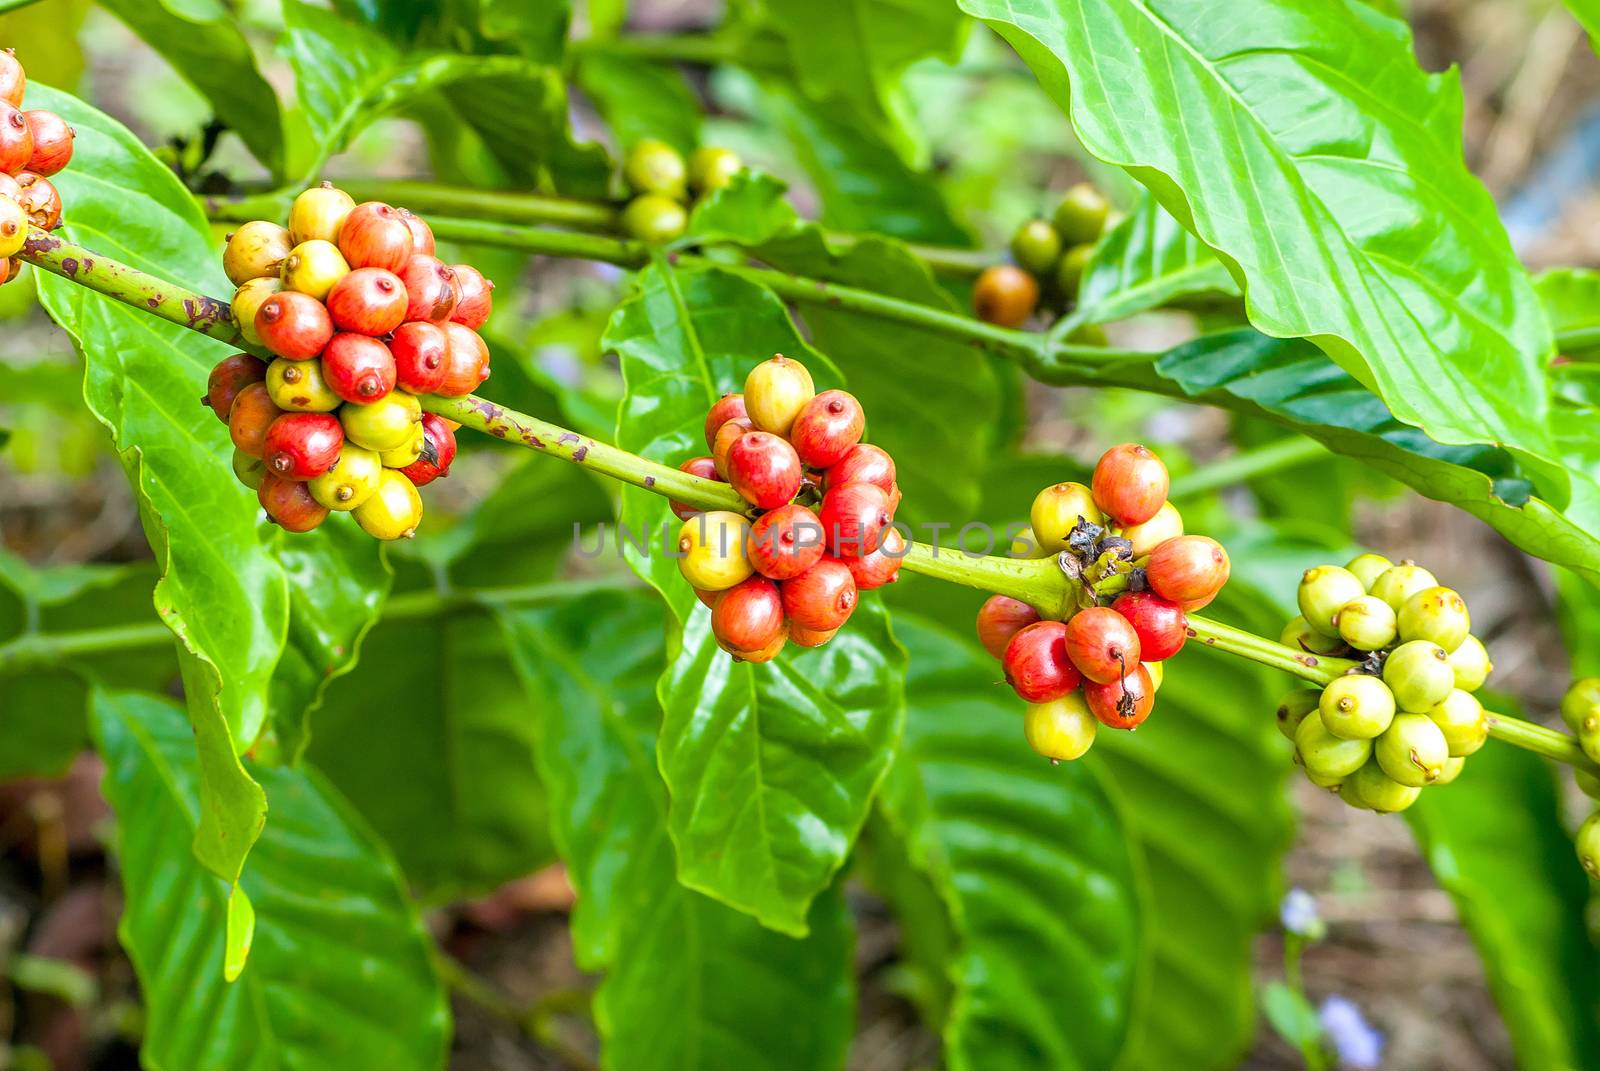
692,628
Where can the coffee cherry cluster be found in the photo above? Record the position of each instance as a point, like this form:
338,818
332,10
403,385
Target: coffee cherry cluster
1405,718
363,319
661,182
1580,709
1049,256
34,145
1137,574
823,503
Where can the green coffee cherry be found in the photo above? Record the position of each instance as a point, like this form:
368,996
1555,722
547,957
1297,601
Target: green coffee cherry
248,469
1419,674
1437,614
654,167
1036,246
1324,591
1081,215
1401,582
1328,759
1581,702
1471,664
1368,567
1452,770
1302,637
1294,707
1356,707
1589,845
712,167
1460,717
1069,269
654,217
1372,789
1589,737
1412,750
1588,783
1367,623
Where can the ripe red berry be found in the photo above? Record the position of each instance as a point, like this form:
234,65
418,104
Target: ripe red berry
726,408
765,654
374,236
357,368
13,80
230,376
1000,618
302,446
764,469
822,597
862,463
853,518
466,361
421,233
368,301
1124,702
52,142
477,296
706,469
723,441
289,503
829,425
810,637
40,200
1036,663
294,325
882,566
420,351
1130,484
430,289
785,542
748,616
438,452
249,417
1161,626
1188,570
1102,644
16,140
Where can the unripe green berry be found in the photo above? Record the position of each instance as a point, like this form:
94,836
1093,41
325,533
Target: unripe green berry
249,470
1070,268
1461,718
1437,614
712,167
1368,567
1036,246
1356,706
1367,623
1412,750
1294,707
1581,702
654,218
389,422
1419,674
1452,770
1328,759
1324,591
654,167
1081,215
1056,510
1398,584
1588,845
1372,789
1026,545
1302,637
1589,737
1588,783
1471,664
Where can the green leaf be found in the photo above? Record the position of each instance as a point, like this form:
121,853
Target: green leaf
1363,231
1031,861
340,972
1587,12
1496,843
1571,300
688,982
221,591
1291,1015
748,211
640,100
202,41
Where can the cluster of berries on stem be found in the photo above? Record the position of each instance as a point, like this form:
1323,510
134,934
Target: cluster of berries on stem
1136,575
363,319
1049,254
660,181
1580,709
823,502
34,145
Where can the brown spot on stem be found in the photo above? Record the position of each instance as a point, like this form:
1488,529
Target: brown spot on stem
69,267
498,432
649,481
154,303
580,453
1306,660
567,437
41,243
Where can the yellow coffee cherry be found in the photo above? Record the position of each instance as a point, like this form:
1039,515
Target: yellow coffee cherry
1146,537
13,227
393,510
775,391
407,452
319,213
256,250
298,386
353,479
247,302
711,550
314,268
1060,730
385,424
1055,513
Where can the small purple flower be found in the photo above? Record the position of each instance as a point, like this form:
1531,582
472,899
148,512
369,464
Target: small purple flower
1298,913
1358,1044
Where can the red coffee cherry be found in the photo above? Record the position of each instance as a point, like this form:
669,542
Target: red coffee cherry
249,417
726,408
853,518
52,142
289,503
765,654
748,616
466,361
1130,484
375,236
438,452
723,441
368,301
706,469
1161,625
357,368
16,140
707,598
829,425
862,463
40,200
882,566
822,597
230,376
294,325
421,233
13,80
9,188
477,297
420,351
1124,702
1102,644
1188,570
810,637
430,289
1000,618
764,469
302,446
784,542
1036,663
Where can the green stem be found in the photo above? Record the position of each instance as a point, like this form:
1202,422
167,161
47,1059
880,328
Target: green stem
1308,667
1579,340
1273,457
